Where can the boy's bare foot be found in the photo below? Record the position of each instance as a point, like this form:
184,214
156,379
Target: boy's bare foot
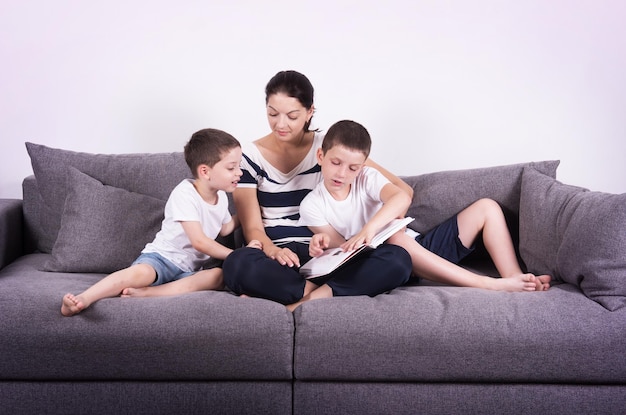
515,283
255,244
530,282
135,292
71,305
292,307
542,282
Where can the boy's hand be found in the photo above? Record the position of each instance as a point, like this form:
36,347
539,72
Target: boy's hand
362,238
319,242
255,244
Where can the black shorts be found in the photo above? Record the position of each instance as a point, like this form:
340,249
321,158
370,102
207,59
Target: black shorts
444,241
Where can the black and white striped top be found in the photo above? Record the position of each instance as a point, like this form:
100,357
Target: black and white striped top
280,193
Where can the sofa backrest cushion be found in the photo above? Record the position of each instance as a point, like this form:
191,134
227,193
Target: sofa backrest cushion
152,175
575,235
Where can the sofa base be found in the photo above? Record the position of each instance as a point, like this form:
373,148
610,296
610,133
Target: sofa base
130,397
454,398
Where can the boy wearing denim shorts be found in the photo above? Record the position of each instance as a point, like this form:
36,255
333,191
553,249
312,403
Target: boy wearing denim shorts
196,212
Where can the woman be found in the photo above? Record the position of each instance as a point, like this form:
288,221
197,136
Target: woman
279,169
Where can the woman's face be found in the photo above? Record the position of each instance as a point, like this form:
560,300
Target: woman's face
287,116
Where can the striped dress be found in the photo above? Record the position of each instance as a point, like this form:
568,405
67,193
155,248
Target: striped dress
280,193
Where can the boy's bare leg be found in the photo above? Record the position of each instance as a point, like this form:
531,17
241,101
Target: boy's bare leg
323,291
485,216
210,279
139,275
435,268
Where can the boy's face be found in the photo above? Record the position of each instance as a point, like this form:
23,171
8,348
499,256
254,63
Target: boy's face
225,174
340,166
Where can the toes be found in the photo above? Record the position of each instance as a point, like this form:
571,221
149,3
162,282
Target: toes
544,278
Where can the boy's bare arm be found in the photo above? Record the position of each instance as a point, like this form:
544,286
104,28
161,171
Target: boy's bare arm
395,203
203,243
229,227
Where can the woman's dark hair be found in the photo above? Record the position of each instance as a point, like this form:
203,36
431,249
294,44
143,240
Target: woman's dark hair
294,85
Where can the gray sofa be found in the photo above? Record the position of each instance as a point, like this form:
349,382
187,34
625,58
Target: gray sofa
421,348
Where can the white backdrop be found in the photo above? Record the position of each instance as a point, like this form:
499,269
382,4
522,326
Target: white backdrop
440,85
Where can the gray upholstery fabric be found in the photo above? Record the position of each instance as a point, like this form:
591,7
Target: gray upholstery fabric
544,215
10,230
577,235
103,228
149,174
202,336
438,196
452,334
593,251
371,398
146,398
32,209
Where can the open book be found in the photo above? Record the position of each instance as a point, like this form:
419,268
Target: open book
332,258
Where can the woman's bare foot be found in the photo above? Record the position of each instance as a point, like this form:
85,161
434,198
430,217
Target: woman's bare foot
72,305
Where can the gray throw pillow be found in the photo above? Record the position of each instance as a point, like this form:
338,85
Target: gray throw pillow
576,235
153,175
438,196
544,215
593,251
103,228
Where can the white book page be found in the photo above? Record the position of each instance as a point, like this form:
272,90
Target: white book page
332,258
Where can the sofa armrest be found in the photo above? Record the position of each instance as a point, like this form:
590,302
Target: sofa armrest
11,231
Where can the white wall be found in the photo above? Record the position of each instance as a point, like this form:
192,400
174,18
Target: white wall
439,84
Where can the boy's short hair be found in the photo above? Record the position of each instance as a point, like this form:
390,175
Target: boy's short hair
208,147
349,134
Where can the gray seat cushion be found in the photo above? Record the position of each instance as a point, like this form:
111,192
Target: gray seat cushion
452,334
209,335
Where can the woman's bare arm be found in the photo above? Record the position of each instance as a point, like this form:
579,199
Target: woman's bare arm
249,215
391,177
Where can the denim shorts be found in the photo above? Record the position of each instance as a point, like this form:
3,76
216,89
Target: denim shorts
444,241
166,271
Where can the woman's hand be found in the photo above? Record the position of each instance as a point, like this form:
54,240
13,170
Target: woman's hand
284,256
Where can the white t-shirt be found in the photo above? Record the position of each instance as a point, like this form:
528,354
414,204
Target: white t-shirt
186,205
347,216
